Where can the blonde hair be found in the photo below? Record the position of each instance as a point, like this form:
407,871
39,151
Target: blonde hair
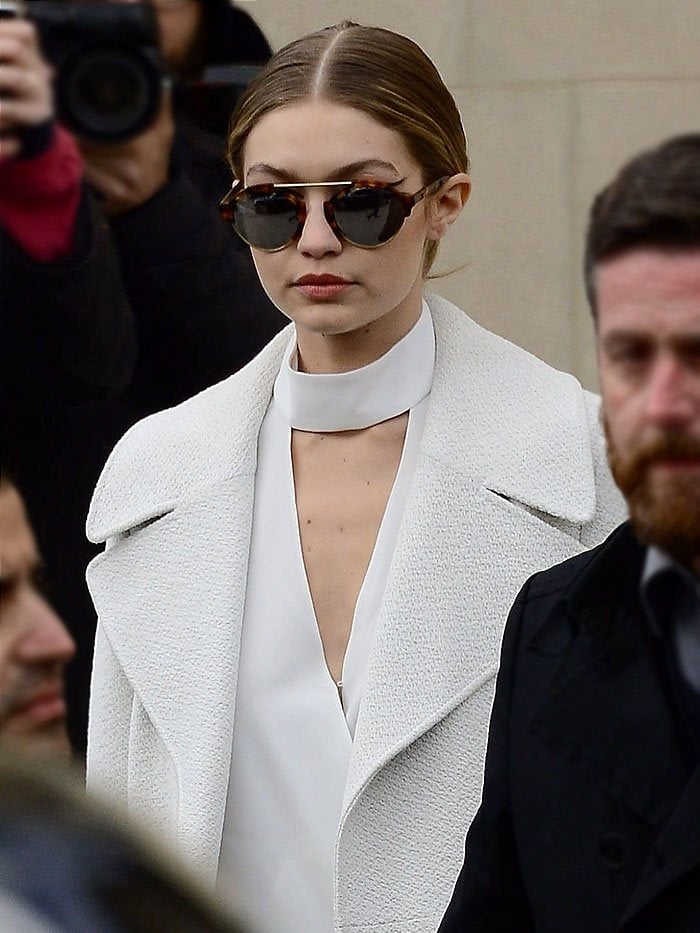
377,71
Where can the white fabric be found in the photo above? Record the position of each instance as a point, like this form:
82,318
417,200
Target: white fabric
389,386
291,740
511,478
291,743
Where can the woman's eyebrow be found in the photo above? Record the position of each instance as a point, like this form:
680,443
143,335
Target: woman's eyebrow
343,173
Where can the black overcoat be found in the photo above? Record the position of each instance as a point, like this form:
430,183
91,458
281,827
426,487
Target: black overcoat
590,818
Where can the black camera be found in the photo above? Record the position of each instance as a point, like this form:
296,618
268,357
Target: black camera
109,79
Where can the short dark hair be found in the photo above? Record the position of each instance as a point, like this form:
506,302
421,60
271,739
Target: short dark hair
653,201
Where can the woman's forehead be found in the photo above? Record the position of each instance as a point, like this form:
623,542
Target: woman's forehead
319,140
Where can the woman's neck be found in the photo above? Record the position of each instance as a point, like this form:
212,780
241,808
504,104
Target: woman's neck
341,353
329,402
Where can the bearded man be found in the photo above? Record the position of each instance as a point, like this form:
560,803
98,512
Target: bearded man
590,817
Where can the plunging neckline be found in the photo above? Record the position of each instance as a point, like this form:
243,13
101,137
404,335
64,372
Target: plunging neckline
369,581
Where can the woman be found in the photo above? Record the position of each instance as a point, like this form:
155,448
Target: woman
308,566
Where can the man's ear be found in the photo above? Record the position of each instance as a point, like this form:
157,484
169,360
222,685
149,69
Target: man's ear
446,205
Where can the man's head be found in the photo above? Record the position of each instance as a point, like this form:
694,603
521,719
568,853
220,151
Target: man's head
181,33
34,643
643,280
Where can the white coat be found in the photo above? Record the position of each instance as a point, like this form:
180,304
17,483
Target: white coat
511,478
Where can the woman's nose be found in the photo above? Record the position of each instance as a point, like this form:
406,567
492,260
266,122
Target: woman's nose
317,237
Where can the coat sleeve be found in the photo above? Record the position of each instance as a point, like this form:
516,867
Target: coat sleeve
111,702
490,894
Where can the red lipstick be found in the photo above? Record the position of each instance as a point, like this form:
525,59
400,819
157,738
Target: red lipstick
322,287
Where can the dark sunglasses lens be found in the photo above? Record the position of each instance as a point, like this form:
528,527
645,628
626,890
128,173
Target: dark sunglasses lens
368,216
266,220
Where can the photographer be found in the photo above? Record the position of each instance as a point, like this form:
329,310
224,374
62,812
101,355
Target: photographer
201,311
198,310
67,326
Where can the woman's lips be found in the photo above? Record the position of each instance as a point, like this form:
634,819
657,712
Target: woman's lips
322,287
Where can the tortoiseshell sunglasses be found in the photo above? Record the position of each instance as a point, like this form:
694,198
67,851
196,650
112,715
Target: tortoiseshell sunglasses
365,213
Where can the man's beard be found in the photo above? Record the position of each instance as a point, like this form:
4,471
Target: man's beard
664,509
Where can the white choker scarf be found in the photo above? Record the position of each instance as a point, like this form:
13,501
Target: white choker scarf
349,401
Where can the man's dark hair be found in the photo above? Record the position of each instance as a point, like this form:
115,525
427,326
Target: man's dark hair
653,201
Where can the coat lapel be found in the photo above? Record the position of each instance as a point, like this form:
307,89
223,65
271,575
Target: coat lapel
675,853
606,696
607,712
169,589
472,532
169,604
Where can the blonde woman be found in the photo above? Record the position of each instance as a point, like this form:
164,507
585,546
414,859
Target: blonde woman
308,566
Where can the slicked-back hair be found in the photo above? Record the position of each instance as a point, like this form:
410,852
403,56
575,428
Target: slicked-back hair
377,71
653,201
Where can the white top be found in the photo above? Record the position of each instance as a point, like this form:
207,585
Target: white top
292,738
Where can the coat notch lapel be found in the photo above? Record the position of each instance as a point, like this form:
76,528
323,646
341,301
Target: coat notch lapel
606,695
475,502
439,633
675,853
481,389
182,664
169,589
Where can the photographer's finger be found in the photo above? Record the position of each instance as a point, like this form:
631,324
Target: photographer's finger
22,103
14,113
12,52
19,82
20,29
20,49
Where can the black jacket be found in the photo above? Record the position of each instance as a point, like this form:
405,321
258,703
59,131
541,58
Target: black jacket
590,818
200,310
68,332
180,309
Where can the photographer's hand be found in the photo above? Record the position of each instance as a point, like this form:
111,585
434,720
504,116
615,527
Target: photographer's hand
26,98
129,174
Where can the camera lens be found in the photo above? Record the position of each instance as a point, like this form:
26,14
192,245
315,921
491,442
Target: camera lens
108,92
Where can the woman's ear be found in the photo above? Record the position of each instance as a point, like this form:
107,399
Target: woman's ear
446,205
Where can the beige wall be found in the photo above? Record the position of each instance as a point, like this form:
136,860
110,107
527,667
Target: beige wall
555,95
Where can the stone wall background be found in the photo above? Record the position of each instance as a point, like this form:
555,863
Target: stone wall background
555,95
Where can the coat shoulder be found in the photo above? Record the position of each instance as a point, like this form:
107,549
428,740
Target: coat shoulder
585,575
540,438
175,452
558,579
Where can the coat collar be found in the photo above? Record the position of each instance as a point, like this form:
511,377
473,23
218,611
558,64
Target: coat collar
475,426
182,452
497,411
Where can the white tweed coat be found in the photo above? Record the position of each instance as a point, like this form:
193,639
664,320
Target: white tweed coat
511,478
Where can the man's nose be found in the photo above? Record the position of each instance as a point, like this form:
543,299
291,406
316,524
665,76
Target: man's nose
670,396
47,640
317,237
